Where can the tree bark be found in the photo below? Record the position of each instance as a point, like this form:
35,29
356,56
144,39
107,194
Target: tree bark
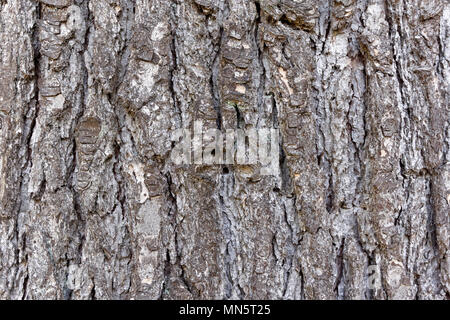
93,207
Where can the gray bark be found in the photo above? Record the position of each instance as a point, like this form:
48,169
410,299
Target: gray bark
92,207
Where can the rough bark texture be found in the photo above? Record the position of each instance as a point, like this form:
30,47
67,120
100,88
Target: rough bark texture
92,207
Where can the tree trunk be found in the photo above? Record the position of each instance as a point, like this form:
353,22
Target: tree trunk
92,205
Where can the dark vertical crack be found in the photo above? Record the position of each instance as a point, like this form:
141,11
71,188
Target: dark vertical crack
214,79
340,266
259,57
171,267
25,281
302,284
432,228
174,65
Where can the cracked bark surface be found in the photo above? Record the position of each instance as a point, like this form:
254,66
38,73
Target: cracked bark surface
92,207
